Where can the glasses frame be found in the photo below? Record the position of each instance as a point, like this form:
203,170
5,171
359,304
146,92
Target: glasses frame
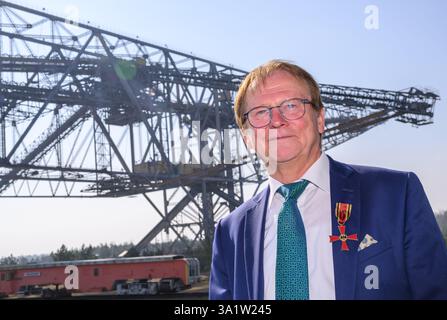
302,100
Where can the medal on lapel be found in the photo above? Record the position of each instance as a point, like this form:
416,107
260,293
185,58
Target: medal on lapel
343,212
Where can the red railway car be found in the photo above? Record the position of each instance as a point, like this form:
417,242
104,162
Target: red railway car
98,275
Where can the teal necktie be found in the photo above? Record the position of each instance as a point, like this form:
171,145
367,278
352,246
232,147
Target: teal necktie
292,281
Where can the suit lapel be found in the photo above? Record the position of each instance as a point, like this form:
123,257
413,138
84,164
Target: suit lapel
254,246
345,188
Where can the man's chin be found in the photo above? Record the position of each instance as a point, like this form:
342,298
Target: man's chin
283,159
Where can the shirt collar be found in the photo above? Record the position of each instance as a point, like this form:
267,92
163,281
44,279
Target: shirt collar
317,174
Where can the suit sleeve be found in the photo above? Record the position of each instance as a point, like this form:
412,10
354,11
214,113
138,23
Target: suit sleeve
425,250
219,286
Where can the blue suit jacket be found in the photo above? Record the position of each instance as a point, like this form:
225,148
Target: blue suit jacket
391,206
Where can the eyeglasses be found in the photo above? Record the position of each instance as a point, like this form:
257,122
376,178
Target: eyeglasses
291,109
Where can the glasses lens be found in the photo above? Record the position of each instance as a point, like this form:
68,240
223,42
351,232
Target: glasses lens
292,109
259,117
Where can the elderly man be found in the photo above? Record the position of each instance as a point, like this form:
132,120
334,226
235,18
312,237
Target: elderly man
321,229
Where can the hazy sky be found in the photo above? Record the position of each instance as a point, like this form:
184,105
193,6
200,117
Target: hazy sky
328,38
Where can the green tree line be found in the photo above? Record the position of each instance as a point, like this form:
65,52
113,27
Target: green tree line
69,254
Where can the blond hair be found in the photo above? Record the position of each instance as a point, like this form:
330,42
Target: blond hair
261,73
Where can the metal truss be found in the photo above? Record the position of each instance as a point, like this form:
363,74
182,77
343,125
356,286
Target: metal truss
85,112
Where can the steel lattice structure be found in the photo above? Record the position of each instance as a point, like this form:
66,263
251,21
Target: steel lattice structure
89,113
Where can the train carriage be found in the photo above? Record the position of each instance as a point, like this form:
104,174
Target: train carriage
98,275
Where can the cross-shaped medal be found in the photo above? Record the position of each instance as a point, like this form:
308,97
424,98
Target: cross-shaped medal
343,238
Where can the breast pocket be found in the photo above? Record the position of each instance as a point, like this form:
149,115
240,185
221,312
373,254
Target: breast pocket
375,250
378,277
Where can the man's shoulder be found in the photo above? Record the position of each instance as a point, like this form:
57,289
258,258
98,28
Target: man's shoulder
239,213
372,172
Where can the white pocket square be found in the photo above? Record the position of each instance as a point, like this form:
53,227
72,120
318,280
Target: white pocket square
366,242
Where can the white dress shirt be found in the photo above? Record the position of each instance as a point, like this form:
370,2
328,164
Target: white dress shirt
314,205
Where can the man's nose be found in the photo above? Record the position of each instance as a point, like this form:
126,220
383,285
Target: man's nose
277,118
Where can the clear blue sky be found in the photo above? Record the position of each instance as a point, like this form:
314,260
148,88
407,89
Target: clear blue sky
328,38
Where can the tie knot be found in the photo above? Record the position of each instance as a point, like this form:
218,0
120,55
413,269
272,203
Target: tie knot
293,190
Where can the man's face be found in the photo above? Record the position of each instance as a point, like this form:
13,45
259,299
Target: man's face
296,140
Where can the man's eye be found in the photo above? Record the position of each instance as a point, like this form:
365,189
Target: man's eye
261,113
291,106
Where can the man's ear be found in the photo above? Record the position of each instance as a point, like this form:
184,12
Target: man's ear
321,121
